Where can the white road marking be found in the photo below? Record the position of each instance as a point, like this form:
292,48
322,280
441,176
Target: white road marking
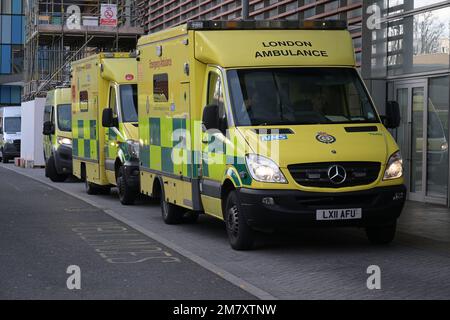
235,280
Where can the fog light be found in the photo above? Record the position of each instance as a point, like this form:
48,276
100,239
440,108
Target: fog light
268,201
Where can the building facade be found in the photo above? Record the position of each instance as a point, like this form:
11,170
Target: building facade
11,51
406,59
162,14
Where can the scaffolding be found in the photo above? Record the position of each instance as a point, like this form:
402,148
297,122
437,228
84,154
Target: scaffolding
58,32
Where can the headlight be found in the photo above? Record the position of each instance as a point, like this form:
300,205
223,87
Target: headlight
444,146
65,141
10,141
394,167
263,169
133,148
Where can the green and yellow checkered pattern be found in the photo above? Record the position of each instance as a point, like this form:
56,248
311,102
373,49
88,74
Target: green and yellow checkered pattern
85,143
157,155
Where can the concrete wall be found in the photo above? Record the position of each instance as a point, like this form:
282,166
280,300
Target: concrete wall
32,122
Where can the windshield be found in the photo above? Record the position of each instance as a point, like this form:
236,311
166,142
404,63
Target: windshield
128,102
65,117
12,125
299,96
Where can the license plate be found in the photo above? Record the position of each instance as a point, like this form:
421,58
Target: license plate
339,214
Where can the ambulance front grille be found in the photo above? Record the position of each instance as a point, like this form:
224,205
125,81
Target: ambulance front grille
316,174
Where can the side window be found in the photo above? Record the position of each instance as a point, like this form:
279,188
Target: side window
161,87
113,101
215,97
84,101
48,113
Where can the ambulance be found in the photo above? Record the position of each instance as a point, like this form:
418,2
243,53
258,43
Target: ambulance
57,133
105,124
265,125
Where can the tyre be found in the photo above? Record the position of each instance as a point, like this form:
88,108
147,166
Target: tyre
51,173
171,214
381,235
5,159
127,195
240,235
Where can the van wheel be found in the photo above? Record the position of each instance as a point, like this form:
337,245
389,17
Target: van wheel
171,214
5,159
381,235
127,195
240,235
52,174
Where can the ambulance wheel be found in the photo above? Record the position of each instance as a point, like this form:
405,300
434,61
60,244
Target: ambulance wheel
52,174
240,235
127,195
171,214
381,235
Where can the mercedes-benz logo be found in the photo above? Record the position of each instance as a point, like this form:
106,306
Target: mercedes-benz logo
337,174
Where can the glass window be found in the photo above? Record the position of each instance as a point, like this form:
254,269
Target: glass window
215,95
65,117
129,103
437,127
84,101
299,96
6,6
12,124
17,6
16,25
5,67
6,29
426,48
48,113
16,94
113,101
161,87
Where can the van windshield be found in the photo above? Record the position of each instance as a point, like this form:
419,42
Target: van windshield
299,96
12,125
128,102
65,117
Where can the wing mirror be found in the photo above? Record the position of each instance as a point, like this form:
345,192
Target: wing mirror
49,128
108,120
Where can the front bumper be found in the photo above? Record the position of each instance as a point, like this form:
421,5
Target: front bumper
63,159
380,206
11,151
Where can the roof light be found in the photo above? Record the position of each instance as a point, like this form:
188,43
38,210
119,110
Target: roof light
268,24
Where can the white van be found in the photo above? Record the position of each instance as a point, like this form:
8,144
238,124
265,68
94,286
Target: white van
10,133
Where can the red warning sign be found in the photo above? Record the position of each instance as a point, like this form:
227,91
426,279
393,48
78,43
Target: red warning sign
108,15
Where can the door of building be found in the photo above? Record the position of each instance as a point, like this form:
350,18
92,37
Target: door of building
423,142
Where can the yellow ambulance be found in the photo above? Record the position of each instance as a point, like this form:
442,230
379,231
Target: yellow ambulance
58,134
265,124
105,124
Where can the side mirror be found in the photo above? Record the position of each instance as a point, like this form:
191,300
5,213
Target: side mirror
108,120
49,128
392,118
211,117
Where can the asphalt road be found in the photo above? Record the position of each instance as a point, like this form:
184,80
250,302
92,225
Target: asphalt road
300,264
43,231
